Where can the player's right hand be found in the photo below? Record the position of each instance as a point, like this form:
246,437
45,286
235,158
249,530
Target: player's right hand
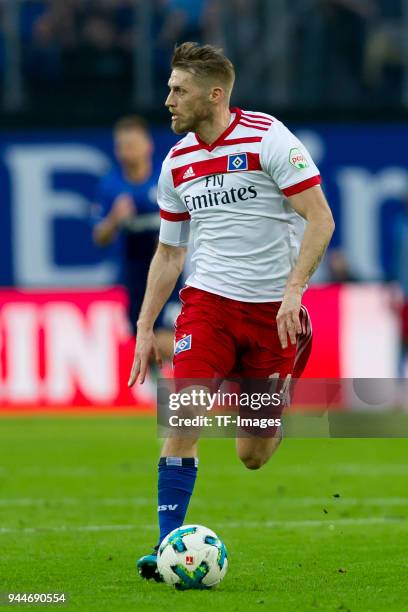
145,349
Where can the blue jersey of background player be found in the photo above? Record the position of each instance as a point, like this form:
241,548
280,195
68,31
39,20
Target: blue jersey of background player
126,208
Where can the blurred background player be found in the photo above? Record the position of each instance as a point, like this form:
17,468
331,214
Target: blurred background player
126,209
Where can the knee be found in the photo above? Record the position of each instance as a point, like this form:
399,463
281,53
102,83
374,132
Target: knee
255,458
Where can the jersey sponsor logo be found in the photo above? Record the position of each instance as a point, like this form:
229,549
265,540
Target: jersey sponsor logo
165,507
184,344
237,162
217,198
297,159
189,173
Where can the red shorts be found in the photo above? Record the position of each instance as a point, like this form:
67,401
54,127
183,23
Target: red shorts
217,337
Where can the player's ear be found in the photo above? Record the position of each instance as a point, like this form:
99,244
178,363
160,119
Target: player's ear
217,94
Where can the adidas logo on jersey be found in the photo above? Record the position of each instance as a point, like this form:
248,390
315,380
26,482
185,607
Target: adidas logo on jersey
189,173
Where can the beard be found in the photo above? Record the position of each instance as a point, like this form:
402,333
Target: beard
192,123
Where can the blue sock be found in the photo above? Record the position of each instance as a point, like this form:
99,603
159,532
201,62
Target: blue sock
177,476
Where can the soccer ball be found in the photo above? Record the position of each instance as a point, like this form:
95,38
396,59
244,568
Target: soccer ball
192,557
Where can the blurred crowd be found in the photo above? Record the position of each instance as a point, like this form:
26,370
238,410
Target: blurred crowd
352,51
311,52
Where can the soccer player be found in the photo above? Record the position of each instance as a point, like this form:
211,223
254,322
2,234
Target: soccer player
126,207
251,194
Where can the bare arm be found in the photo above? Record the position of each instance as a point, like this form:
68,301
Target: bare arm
105,231
165,268
312,206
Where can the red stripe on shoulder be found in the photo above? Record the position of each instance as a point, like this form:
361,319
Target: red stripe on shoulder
302,186
170,216
263,128
256,116
235,141
185,150
263,121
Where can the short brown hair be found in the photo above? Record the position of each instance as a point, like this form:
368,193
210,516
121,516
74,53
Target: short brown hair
205,62
131,122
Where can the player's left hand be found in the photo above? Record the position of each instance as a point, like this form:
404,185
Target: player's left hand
288,317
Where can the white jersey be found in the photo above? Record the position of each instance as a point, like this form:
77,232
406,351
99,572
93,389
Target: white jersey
232,195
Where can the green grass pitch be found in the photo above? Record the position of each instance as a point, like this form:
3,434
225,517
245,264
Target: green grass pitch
322,527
